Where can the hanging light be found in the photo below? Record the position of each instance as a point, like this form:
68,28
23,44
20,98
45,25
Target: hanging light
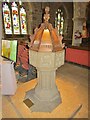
20,2
5,0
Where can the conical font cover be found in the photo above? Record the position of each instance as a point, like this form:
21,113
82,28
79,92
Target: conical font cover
46,38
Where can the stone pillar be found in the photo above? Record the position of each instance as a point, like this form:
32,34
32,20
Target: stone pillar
28,7
78,25
78,20
67,28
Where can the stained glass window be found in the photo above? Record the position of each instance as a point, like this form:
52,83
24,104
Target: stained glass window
15,18
23,21
59,21
7,19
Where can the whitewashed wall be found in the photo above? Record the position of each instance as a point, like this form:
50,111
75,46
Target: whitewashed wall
0,55
0,25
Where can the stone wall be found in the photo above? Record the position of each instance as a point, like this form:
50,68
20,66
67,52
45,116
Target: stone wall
35,11
34,14
68,14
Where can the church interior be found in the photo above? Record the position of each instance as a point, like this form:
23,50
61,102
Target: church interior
44,59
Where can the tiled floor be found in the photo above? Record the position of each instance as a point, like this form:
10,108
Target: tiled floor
72,82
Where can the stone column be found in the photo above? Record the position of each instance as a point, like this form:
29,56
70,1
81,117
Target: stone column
67,28
78,20
78,25
28,7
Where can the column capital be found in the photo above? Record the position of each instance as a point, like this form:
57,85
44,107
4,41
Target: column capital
79,19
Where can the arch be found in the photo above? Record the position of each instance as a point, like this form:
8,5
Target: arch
64,8
63,23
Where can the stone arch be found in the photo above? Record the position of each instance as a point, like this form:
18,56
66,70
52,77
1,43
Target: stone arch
64,10
63,7
67,20
68,11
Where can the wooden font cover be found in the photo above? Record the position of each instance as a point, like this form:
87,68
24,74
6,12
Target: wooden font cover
46,37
